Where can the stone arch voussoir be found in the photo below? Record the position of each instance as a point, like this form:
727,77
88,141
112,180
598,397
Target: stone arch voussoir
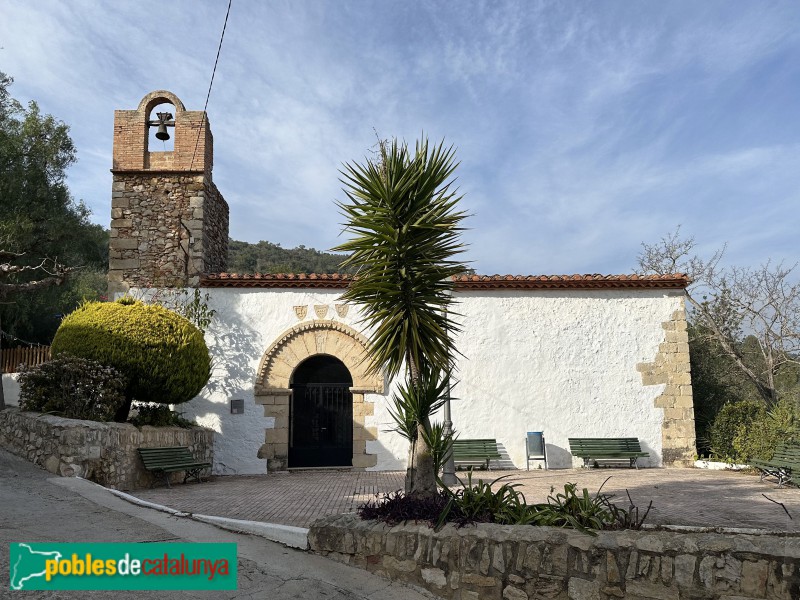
312,338
272,387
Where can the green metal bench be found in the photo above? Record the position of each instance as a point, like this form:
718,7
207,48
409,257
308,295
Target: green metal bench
475,452
594,449
170,460
784,464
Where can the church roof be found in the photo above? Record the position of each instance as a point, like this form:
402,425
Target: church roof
462,282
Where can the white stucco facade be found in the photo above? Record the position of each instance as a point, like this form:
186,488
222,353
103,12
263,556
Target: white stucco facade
10,388
562,361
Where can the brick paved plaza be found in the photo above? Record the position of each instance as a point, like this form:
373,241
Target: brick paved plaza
680,496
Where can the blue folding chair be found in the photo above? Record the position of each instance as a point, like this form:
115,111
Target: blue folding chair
535,448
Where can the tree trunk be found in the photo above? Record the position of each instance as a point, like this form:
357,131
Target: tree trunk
420,474
2,393
423,477
122,413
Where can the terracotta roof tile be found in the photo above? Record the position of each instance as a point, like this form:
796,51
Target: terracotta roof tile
462,282
576,281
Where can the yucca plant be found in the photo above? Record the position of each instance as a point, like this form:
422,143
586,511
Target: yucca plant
404,229
441,445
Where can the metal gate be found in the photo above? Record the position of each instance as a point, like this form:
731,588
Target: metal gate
321,433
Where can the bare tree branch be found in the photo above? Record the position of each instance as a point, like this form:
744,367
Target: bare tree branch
734,303
7,289
6,256
54,274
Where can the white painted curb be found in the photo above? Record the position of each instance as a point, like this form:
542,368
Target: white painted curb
146,504
719,466
293,537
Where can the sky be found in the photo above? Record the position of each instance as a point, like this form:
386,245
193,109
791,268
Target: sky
582,128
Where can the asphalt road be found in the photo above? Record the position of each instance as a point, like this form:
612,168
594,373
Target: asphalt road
37,507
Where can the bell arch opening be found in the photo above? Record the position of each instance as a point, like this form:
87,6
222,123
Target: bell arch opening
160,128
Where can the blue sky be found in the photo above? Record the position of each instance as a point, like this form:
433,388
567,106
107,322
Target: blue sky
583,128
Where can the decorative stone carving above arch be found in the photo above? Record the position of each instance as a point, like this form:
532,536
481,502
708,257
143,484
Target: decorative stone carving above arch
316,337
272,389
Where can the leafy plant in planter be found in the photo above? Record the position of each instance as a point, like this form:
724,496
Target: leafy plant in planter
162,355
404,224
482,503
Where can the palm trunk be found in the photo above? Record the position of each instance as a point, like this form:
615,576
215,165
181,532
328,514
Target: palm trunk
424,476
411,468
420,474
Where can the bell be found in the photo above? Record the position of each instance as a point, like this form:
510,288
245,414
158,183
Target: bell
162,134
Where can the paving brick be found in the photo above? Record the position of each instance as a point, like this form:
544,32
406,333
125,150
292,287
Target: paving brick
680,496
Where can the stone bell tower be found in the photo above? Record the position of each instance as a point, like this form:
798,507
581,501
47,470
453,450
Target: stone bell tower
169,223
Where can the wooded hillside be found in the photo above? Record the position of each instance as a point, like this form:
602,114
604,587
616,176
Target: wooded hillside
266,257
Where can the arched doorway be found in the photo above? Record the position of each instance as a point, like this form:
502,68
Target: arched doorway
321,414
276,373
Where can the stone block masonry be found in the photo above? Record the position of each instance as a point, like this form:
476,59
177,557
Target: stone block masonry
102,452
672,369
521,562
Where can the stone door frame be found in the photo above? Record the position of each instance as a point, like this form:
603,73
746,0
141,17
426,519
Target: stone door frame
274,375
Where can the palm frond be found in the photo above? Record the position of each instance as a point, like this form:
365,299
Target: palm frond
404,229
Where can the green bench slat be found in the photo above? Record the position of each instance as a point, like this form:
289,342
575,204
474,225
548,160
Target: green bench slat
784,464
170,460
479,451
607,449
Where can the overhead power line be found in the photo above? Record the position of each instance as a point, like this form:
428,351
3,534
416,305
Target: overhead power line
211,83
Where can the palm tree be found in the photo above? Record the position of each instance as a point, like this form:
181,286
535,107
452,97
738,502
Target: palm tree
404,228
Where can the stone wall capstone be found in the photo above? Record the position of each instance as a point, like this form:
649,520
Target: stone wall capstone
518,562
102,452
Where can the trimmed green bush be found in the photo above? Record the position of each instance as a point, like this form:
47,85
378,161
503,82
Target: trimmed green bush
75,388
162,355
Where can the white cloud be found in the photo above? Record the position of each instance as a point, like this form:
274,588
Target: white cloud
583,129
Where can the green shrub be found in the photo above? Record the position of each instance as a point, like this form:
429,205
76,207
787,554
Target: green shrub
479,503
158,415
75,388
586,513
746,430
769,428
731,421
162,355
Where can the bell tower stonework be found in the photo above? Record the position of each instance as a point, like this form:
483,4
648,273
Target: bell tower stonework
169,222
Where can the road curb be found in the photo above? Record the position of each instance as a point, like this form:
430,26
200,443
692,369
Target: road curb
293,537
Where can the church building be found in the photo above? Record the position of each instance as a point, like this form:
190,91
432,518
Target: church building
572,356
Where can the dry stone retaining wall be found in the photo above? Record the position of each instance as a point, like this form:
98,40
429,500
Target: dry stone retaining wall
524,563
103,452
